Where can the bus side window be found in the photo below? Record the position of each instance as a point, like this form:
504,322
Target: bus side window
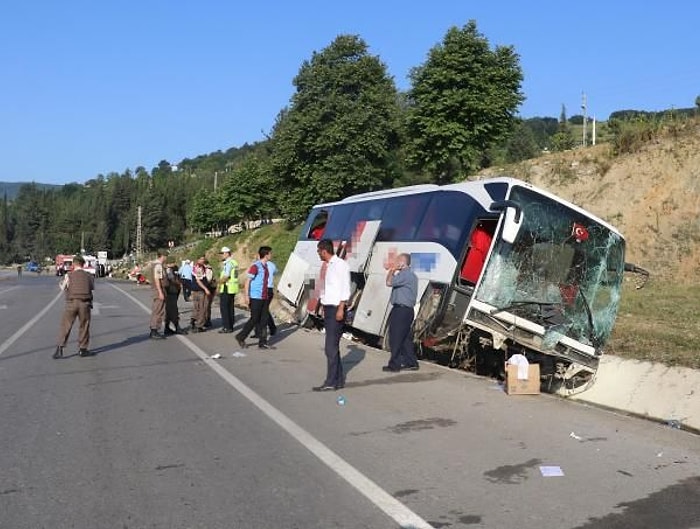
318,226
402,217
479,244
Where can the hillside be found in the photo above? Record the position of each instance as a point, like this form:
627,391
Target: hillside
651,196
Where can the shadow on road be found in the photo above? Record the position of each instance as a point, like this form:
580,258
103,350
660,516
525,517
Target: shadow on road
353,357
131,340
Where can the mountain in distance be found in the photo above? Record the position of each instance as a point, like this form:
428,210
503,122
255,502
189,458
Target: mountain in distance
12,188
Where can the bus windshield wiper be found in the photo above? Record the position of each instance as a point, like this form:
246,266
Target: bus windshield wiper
524,303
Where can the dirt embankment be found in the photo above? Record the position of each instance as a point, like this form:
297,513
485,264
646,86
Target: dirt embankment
652,197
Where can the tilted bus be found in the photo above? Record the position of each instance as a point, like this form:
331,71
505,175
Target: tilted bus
503,268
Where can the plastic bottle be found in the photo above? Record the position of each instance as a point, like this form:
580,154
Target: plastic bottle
340,400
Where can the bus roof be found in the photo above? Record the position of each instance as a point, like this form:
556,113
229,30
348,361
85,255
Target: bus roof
475,188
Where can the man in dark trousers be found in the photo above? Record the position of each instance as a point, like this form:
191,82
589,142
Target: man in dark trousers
78,286
158,302
255,295
228,288
404,291
335,293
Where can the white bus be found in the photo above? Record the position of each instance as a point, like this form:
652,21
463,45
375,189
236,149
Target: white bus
503,268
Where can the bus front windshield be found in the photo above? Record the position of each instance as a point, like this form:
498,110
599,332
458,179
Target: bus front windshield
564,271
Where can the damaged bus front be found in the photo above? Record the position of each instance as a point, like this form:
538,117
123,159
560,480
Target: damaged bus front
549,289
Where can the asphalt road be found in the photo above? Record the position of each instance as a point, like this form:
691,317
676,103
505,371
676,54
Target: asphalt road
156,434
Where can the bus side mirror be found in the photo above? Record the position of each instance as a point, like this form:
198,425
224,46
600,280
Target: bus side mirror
512,221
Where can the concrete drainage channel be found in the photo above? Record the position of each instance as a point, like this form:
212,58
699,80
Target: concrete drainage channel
670,395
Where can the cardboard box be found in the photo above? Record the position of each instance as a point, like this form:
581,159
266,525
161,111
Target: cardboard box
531,386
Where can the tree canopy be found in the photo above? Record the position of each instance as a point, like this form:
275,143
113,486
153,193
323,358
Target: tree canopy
463,100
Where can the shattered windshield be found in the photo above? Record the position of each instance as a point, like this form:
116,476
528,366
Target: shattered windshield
564,272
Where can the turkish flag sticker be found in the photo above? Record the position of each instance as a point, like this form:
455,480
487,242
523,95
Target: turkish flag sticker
579,232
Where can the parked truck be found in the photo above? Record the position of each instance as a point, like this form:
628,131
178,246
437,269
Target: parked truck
63,264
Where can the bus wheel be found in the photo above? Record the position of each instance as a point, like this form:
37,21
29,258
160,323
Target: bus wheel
301,314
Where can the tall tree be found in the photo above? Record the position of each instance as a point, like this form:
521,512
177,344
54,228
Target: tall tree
340,131
463,101
563,139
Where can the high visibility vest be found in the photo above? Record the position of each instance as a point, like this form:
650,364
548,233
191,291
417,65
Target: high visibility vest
231,283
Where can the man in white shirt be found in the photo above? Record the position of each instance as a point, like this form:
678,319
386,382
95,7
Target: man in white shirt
335,293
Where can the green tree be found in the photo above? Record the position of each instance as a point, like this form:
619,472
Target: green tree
250,191
519,145
463,101
339,134
563,139
199,216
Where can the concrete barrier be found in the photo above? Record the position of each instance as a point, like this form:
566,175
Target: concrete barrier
654,391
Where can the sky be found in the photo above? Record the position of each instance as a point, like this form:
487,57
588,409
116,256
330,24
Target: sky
95,87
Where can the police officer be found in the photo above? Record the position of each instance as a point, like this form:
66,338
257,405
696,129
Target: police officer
158,303
172,286
211,285
228,288
200,291
78,286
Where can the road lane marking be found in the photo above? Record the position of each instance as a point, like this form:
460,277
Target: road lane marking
396,510
96,307
7,343
8,289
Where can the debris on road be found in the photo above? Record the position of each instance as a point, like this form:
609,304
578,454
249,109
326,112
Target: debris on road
238,354
215,356
551,471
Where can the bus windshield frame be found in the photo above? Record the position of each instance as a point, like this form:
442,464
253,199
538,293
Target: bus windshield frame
563,271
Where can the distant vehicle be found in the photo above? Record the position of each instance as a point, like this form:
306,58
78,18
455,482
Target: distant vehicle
91,264
503,268
33,266
63,263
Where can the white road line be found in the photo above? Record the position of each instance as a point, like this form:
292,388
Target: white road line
396,510
8,289
7,343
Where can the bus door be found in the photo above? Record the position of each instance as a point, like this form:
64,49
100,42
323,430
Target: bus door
469,271
372,309
478,246
358,250
296,275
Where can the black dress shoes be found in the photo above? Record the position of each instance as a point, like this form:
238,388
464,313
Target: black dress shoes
391,369
324,387
225,331
58,354
84,353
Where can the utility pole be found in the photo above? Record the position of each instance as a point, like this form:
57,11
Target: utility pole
593,138
585,119
139,236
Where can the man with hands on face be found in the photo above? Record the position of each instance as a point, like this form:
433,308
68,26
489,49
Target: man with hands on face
404,291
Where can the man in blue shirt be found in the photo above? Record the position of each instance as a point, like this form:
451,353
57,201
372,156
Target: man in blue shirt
255,295
186,278
404,292
271,325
